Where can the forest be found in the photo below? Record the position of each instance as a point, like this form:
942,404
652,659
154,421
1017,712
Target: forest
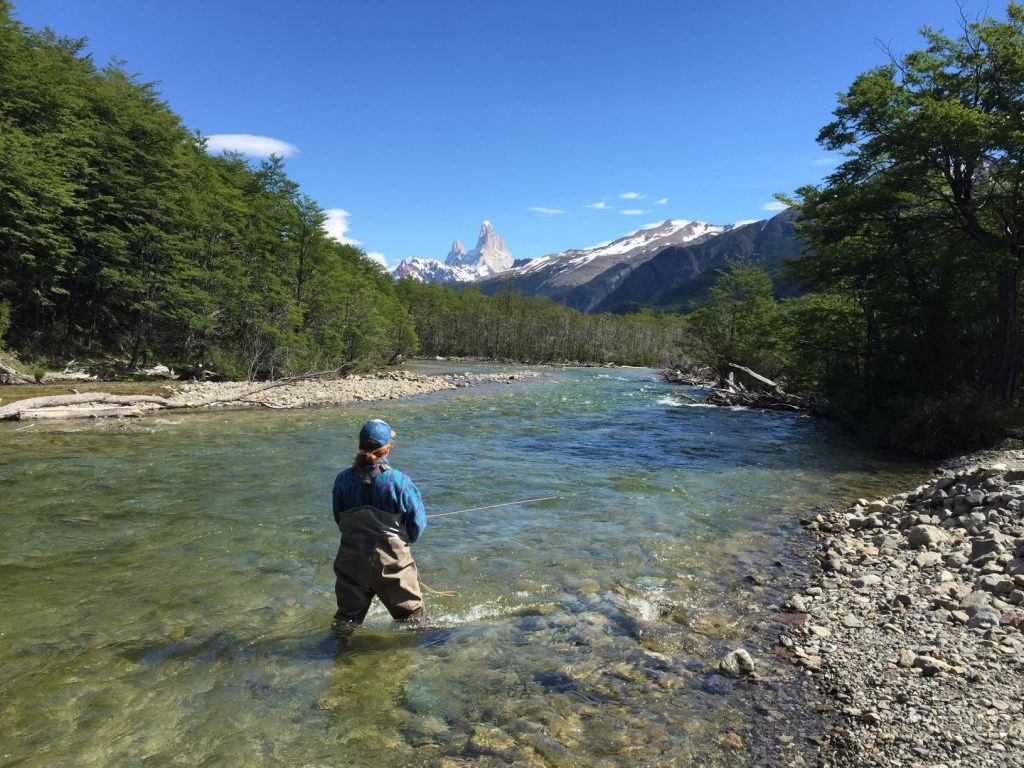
914,254
121,238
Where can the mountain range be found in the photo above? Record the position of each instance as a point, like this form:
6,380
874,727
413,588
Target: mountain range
669,265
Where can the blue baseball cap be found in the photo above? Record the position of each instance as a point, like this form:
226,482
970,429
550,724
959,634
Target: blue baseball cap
377,431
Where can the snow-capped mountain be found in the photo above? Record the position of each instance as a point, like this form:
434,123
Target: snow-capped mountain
580,265
582,277
489,257
432,271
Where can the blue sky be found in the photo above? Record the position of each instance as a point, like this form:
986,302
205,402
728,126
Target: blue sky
563,122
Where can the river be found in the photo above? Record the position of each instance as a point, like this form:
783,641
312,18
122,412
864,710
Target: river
167,583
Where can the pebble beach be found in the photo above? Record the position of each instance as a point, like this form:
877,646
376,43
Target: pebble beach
911,625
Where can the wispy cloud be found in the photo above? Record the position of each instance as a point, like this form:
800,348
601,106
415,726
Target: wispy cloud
631,196
336,225
378,257
830,160
774,205
546,211
597,206
663,201
247,144
634,211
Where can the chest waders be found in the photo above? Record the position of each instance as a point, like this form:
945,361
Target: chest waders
374,558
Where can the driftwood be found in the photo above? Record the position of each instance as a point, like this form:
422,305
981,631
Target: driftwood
118,411
750,389
692,378
63,406
10,376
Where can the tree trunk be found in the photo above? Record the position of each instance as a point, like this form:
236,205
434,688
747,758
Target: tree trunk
1004,383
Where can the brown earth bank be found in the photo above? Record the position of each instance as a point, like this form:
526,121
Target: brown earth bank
911,625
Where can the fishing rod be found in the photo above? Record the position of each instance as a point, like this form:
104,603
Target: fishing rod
444,593
493,506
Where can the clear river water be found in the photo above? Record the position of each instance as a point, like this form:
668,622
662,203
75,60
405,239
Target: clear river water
167,587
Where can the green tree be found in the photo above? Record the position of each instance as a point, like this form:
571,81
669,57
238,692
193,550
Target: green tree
738,324
934,180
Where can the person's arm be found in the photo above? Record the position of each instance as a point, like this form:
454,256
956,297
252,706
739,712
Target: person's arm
413,513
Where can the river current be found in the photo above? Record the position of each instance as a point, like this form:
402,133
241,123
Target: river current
167,586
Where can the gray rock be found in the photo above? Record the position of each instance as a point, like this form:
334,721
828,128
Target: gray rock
976,601
738,663
975,498
1015,567
980,548
867,580
926,536
927,559
994,583
984,618
956,559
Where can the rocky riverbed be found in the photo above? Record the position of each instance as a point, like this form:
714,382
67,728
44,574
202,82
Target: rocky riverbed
912,626
385,385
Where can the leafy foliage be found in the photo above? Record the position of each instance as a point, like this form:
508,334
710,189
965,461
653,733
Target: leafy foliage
119,234
511,326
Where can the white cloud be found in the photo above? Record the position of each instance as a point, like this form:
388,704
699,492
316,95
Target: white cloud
774,205
336,225
826,161
546,211
378,257
634,212
597,206
247,144
631,196
663,201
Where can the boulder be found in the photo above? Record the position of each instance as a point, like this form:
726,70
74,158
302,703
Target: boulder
926,536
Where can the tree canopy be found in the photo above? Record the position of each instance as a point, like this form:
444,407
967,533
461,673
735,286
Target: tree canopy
923,224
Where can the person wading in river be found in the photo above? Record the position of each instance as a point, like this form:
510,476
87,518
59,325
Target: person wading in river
379,512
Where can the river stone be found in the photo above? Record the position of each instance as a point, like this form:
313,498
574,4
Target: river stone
985,617
975,602
738,663
927,559
867,580
994,583
488,739
1015,567
975,497
926,536
983,547
849,620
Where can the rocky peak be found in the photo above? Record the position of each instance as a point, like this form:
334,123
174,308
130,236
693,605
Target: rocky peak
491,254
457,255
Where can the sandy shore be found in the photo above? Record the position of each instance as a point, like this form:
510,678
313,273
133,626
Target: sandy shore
912,626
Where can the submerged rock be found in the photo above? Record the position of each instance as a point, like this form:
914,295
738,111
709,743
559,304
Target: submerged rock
738,663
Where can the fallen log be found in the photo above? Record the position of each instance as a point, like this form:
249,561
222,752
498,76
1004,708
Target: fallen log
11,410
46,414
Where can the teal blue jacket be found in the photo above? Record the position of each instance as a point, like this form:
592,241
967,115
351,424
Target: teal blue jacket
390,490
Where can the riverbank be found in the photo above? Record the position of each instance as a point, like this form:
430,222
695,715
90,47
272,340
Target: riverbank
912,624
300,393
